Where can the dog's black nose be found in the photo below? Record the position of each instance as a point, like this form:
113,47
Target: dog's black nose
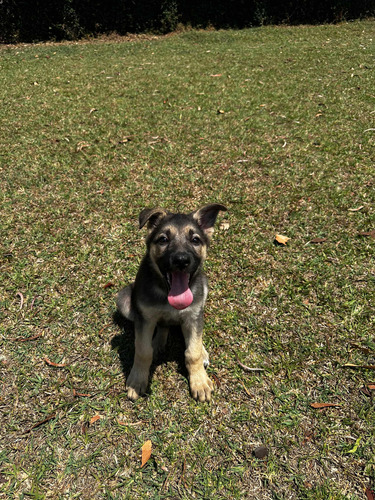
180,260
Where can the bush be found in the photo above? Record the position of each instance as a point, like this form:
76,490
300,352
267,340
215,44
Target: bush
32,20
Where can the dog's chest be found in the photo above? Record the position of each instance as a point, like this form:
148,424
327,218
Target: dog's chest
166,315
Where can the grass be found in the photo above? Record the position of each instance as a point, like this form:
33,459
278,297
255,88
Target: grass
278,124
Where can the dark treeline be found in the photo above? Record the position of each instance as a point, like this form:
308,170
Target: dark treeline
33,20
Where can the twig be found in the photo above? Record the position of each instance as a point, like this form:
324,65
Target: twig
19,294
26,339
50,417
248,369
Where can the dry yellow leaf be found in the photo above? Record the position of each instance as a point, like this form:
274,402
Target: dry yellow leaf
94,419
224,226
281,239
146,452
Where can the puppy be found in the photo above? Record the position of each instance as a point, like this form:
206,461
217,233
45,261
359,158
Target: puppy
170,289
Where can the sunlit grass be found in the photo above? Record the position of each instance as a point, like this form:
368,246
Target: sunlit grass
277,123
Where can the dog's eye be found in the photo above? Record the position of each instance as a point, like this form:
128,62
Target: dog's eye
196,241
162,240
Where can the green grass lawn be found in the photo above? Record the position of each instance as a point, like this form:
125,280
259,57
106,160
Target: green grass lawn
278,124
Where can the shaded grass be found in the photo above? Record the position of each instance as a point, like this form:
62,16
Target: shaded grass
274,122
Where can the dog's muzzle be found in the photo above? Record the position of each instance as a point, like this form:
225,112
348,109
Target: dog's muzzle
180,296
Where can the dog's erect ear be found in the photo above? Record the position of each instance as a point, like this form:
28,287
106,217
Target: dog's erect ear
206,217
152,216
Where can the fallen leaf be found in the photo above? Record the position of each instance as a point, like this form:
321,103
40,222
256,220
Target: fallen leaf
366,350
80,394
94,419
84,428
215,76
216,379
108,285
220,111
224,226
281,239
370,494
318,240
356,209
56,365
323,405
367,233
92,110
146,452
371,387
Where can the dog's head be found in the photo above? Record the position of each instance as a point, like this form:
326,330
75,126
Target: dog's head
177,245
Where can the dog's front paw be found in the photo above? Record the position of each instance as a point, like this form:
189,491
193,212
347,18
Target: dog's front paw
201,386
136,384
206,359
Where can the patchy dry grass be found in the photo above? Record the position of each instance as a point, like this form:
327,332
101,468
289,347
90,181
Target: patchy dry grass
278,124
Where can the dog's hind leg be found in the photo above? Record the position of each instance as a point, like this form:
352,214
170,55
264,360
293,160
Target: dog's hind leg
160,340
124,302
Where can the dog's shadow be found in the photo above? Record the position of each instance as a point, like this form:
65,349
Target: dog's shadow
124,344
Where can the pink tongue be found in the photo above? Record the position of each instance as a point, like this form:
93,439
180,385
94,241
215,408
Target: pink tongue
180,295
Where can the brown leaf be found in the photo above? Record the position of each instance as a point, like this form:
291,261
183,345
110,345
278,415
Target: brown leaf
318,240
56,365
366,350
84,428
216,380
367,233
146,452
94,419
108,285
370,494
282,240
371,387
215,76
80,394
323,405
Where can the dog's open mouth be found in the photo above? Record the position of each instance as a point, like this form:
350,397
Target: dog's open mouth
180,296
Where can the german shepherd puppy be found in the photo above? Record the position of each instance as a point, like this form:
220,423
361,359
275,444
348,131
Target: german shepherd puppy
170,289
